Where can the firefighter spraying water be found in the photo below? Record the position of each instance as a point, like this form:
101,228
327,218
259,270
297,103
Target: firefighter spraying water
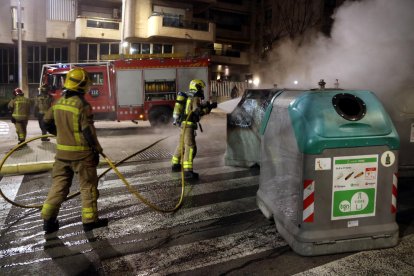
188,110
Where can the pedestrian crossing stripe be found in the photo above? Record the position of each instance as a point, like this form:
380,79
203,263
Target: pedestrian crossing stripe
4,128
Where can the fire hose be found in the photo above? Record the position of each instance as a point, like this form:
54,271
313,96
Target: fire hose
113,167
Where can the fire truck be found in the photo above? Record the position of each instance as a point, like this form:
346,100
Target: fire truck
132,89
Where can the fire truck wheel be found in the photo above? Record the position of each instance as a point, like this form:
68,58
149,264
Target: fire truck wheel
160,116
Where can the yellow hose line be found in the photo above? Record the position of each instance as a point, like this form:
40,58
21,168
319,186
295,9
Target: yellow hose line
4,160
112,166
139,196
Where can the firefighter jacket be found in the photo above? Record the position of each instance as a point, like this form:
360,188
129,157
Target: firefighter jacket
20,107
194,103
42,103
73,121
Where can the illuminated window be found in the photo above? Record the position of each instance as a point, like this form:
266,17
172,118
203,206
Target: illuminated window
97,78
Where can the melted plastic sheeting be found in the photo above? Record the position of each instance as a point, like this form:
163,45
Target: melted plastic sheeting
243,127
251,108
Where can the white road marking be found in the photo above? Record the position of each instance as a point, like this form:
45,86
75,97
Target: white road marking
9,186
4,128
198,254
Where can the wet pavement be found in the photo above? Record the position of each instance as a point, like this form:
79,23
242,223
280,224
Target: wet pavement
219,229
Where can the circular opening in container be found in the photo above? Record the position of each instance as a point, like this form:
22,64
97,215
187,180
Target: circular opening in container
349,107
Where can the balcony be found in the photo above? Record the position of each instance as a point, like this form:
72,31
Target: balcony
100,28
240,36
230,57
176,27
60,30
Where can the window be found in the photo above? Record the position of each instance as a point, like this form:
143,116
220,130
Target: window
104,49
168,49
57,81
146,48
89,52
108,49
83,52
8,65
97,78
114,48
36,57
57,55
157,49
93,52
102,24
135,48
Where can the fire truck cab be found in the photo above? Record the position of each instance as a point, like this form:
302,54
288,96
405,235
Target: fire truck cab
132,89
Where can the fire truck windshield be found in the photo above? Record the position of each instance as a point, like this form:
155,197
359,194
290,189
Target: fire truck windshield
56,81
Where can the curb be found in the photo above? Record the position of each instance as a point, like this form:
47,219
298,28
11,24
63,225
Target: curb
23,168
33,167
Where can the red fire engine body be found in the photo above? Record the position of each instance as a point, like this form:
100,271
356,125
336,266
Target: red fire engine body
132,89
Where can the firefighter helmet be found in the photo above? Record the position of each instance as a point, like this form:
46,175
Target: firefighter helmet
18,91
77,79
196,85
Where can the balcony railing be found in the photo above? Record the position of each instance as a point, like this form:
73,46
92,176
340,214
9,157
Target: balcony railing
178,22
229,57
177,27
92,27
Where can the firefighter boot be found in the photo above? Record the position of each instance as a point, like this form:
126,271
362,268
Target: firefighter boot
176,168
190,175
50,225
96,224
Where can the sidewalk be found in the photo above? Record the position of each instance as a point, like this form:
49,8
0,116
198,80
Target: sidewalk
118,139
39,156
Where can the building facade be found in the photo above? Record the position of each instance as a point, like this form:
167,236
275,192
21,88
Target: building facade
61,31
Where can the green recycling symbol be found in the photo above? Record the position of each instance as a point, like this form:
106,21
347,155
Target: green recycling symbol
350,203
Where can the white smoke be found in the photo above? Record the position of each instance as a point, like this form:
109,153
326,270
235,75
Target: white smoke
371,47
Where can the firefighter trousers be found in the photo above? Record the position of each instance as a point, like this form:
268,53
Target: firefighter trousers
189,151
42,125
62,176
21,127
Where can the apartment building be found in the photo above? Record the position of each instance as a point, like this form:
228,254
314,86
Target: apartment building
59,31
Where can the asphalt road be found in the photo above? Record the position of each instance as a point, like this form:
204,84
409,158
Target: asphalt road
218,230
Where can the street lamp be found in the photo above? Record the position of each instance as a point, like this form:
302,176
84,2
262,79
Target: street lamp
19,44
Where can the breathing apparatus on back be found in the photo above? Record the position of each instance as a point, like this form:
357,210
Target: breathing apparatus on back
184,100
179,108
184,104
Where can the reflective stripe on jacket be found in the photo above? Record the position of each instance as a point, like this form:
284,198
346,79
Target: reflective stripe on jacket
71,116
21,108
193,103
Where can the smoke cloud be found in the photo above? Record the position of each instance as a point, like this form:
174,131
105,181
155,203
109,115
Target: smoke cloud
371,47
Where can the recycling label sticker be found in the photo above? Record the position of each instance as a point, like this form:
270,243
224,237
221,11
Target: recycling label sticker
354,186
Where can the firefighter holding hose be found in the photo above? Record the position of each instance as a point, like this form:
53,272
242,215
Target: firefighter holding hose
77,152
188,110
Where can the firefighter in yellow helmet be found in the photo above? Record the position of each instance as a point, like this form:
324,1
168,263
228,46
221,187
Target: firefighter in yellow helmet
193,101
77,151
20,107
